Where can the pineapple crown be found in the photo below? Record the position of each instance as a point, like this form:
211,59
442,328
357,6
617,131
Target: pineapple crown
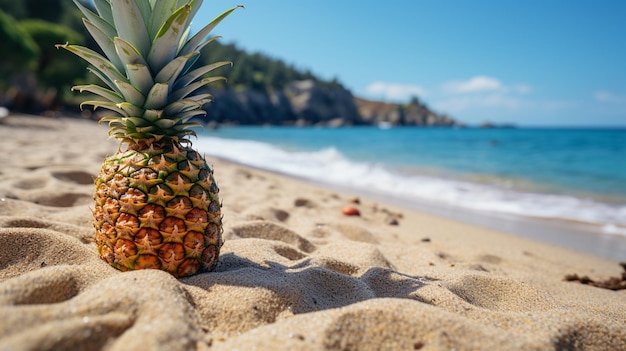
147,70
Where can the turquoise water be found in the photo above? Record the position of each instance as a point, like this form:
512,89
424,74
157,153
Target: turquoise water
568,174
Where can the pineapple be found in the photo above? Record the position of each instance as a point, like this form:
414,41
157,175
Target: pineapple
156,201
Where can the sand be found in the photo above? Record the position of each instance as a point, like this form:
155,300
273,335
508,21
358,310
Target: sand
294,272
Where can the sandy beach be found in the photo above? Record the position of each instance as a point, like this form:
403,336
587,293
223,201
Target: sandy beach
294,272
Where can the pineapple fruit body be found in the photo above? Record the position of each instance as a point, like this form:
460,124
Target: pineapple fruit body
157,206
156,202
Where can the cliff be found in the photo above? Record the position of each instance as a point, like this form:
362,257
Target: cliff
307,103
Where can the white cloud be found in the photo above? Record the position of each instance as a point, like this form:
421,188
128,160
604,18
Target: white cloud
481,93
457,104
472,85
482,84
394,91
609,97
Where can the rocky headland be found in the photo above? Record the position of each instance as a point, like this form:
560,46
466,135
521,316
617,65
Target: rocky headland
298,103
311,103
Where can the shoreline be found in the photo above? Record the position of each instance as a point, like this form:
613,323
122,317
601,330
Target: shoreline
294,273
330,167
580,237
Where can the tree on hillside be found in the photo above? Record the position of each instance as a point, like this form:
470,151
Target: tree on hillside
15,9
20,51
55,69
33,71
54,11
255,71
18,60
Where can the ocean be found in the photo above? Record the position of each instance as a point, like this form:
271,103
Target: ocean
569,175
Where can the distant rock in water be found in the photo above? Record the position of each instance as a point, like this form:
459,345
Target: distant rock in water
489,125
310,103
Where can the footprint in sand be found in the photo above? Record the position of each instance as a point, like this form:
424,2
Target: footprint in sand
76,177
31,183
302,202
289,252
40,189
27,249
487,258
42,286
272,231
356,233
62,200
267,213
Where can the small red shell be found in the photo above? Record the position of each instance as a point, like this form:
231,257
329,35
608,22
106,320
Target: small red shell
350,211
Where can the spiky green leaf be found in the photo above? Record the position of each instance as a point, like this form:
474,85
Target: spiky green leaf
104,79
128,19
146,12
157,97
115,120
137,121
195,6
170,72
181,106
130,109
199,72
104,10
161,11
165,123
193,103
127,52
98,21
131,94
165,44
184,37
196,41
152,115
129,125
186,90
99,63
139,76
105,42
104,104
100,91
183,129
193,60
207,42
183,117
201,97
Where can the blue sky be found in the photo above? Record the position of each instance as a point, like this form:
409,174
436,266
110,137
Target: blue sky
531,62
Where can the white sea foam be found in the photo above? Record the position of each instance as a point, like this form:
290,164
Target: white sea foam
331,167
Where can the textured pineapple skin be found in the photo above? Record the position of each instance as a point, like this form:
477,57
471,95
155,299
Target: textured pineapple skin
157,207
